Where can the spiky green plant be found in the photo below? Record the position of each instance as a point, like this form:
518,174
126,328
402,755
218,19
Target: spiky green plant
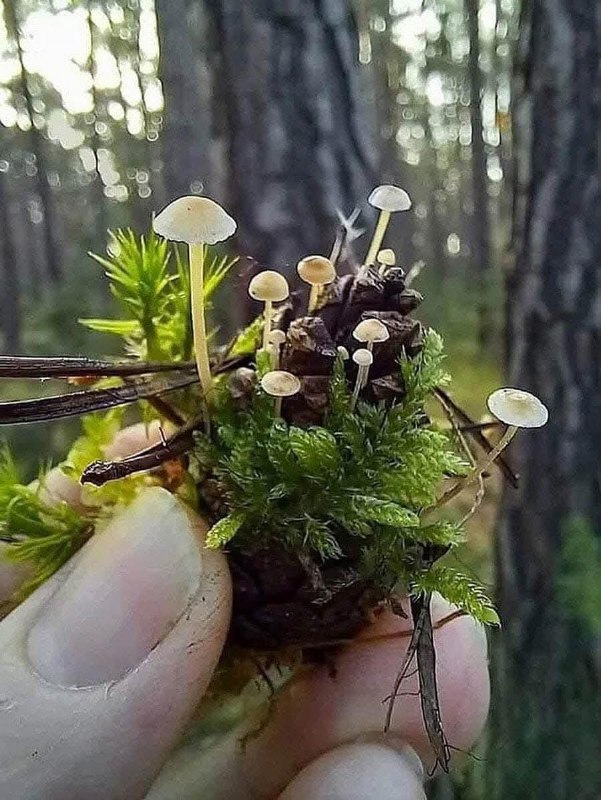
44,536
151,283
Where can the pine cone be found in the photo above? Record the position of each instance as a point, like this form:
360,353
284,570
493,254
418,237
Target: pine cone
282,599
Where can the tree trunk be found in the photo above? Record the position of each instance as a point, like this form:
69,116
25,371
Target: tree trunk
183,70
265,111
36,140
298,147
10,304
481,220
547,719
99,215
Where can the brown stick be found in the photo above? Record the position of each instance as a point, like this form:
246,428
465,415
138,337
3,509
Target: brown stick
71,367
100,472
75,403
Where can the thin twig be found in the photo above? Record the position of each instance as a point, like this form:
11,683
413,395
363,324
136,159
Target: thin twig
418,625
100,472
75,403
428,685
166,410
481,426
414,272
479,496
478,436
72,367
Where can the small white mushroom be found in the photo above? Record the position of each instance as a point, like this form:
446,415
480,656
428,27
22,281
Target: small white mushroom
197,221
343,352
275,340
517,409
386,258
280,384
317,271
270,287
388,200
363,358
371,331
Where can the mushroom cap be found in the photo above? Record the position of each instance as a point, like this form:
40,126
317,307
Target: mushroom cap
389,198
363,357
279,383
316,270
518,408
269,285
371,330
276,337
343,352
194,220
386,257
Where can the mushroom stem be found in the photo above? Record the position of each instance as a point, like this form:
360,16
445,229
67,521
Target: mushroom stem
196,253
480,467
277,408
267,322
362,373
314,297
377,238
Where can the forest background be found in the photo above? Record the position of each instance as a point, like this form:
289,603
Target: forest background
488,113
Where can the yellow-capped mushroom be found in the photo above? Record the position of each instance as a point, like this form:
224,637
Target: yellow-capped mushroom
270,287
317,271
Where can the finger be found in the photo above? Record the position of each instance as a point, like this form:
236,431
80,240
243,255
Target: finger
57,487
103,666
317,713
134,438
12,575
359,772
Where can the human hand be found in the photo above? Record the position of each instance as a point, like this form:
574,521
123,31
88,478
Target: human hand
102,668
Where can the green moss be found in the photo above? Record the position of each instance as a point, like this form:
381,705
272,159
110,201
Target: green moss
358,484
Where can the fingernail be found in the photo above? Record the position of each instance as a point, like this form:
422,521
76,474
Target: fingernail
131,584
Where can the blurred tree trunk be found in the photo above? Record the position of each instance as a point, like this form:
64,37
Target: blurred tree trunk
435,224
187,127
547,720
481,214
265,109
288,82
36,143
99,230
10,315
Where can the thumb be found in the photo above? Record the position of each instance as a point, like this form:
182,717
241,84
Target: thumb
103,666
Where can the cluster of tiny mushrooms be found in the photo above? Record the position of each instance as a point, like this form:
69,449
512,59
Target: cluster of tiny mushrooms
199,221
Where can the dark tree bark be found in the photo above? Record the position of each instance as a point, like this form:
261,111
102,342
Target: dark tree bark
265,110
36,143
481,220
183,70
298,144
10,300
548,671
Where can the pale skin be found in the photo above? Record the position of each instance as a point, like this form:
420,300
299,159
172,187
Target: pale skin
138,619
